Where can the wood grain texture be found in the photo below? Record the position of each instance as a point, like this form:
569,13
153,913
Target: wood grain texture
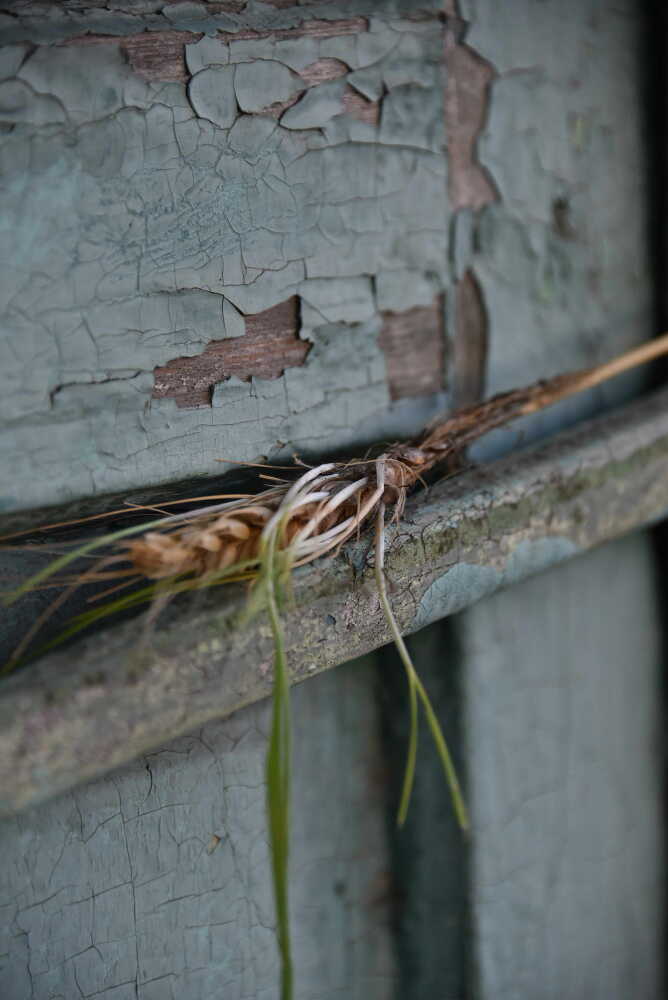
153,55
69,717
413,343
242,186
470,344
270,345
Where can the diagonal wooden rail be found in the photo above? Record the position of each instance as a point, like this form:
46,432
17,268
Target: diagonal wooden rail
88,708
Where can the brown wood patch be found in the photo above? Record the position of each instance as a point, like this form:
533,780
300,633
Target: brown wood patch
153,55
466,97
469,349
160,55
413,343
316,29
323,70
270,345
360,107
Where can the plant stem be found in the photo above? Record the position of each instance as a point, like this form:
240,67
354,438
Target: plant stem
278,776
416,686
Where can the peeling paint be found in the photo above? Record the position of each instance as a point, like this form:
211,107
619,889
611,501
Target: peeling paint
134,228
467,583
160,220
154,882
269,344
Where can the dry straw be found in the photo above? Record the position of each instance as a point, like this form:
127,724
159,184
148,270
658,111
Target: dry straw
263,537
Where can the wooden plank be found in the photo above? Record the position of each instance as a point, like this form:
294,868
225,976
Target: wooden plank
562,707
76,714
154,882
549,694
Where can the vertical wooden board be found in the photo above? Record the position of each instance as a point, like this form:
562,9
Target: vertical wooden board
430,852
122,889
562,256
561,695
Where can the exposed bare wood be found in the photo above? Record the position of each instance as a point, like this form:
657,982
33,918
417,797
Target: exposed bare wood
469,349
359,107
323,70
270,345
153,55
315,28
466,96
414,346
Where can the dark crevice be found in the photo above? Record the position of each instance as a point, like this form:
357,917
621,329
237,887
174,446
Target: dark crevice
654,107
430,865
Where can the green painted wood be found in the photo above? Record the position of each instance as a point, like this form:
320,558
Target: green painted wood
117,889
532,189
563,719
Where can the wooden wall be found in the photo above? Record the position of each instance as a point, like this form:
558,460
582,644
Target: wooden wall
233,230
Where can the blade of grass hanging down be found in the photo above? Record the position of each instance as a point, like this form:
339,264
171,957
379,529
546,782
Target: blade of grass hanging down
411,754
278,769
416,688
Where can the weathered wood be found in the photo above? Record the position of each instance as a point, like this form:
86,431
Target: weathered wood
548,692
81,711
413,343
561,704
120,889
268,344
368,157
205,165
176,187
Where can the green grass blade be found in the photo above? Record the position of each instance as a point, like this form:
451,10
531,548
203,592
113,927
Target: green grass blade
278,772
459,805
411,754
416,687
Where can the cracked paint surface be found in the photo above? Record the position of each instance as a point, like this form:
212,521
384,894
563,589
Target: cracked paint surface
564,127
113,890
566,787
264,346
133,226
138,232
141,213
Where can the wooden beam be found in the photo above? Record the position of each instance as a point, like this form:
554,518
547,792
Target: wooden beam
86,709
